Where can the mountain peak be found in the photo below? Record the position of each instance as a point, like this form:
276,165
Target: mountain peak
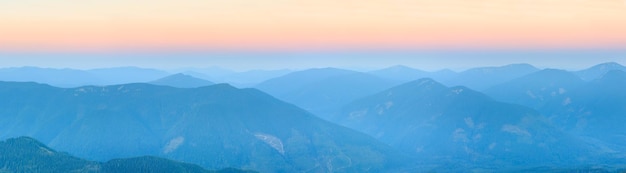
223,86
420,84
426,82
521,65
608,65
401,73
180,80
400,68
28,143
549,72
331,70
597,71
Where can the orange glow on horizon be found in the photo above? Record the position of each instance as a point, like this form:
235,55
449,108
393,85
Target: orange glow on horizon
75,25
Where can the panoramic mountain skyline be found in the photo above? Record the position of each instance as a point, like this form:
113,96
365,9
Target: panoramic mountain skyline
312,86
358,61
325,120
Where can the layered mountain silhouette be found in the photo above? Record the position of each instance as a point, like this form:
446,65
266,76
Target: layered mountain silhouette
251,78
591,110
536,89
484,77
57,77
527,120
322,91
215,127
406,74
26,154
74,77
461,126
123,75
180,80
599,70
239,79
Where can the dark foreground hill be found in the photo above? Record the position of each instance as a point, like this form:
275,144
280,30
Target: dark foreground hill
25,154
215,127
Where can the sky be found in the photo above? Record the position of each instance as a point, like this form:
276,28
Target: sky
428,34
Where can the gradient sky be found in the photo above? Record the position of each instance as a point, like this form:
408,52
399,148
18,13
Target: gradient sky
92,29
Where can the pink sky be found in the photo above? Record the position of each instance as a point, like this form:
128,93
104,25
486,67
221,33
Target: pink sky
285,25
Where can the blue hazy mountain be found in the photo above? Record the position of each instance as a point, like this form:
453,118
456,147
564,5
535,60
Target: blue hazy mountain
484,77
26,154
122,75
252,77
74,77
208,71
57,77
405,74
400,72
216,127
599,70
180,80
595,110
238,79
462,127
536,89
323,90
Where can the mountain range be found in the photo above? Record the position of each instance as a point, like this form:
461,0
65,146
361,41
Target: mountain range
215,127
536,89
324,90
513,118
595,110
459,125
592,109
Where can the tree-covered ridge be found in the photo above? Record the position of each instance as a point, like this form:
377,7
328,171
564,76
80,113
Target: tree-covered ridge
216,127
25,154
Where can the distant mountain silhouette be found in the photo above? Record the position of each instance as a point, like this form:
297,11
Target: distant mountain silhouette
599,70
216,127
461,126
180,80
536,89
321,91
75,78
482,78
243,79
406,74
400,72
252,77
123,75
26,154
57,77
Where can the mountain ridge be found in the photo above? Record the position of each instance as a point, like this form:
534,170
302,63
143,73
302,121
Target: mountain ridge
180,80
459,125
246,128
